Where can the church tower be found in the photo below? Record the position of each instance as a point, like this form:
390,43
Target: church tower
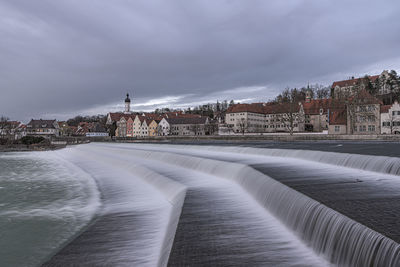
308,94
127,104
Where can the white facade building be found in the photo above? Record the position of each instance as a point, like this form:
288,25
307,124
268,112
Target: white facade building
390,119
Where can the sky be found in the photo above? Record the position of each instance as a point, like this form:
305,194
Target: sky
64,58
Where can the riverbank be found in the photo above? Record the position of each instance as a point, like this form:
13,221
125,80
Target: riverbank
27,148
265,137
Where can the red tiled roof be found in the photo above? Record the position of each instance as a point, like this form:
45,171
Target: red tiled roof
338,117
13,124
385,108
352,82
180,115
42,123
313,107
363,97
263,108
118,115
186,120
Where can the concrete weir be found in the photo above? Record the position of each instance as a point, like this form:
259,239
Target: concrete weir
228,206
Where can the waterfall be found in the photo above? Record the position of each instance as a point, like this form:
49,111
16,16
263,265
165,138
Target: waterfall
175,193
381,164
129,188
338,238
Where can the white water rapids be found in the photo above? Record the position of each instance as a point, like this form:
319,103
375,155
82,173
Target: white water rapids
207,206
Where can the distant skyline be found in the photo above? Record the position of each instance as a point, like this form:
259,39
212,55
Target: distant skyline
64,58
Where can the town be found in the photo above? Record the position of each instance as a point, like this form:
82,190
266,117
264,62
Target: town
357,106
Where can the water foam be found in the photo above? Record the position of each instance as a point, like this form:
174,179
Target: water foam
340,239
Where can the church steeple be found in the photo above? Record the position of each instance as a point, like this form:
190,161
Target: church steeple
127,104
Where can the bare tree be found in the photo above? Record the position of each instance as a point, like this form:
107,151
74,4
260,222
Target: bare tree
5,130
292,114
322,92
211,128
394,121
196,128
243,125
361,108
292,118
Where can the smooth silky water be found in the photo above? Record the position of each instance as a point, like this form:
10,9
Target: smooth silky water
158,205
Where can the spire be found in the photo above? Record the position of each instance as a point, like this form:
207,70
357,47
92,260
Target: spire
127,104
127,99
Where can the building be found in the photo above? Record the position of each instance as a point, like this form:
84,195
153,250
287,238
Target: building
363,114
12,130
346,88
316,112
388,83
184,126
153,128
386,86
65,129
45,128
97,130
337,122
265,117
390,118
127,105
163,128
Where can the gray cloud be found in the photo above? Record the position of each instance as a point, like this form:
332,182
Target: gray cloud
64,57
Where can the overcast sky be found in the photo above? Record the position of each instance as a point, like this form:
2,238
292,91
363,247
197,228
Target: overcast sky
67,57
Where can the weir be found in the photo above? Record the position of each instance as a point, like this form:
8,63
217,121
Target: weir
331,235
342,240
132,227
380,164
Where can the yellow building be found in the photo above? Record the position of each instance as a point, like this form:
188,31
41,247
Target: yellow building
153,128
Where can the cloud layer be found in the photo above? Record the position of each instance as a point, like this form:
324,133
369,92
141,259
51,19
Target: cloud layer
67,56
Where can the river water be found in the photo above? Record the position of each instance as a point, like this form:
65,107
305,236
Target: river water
106,204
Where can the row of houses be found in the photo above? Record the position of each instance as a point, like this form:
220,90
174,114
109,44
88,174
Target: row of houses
358,114
50,128
129,124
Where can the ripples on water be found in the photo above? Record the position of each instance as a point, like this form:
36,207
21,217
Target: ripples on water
179,206
43,201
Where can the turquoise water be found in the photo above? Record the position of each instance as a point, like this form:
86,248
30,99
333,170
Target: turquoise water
44,201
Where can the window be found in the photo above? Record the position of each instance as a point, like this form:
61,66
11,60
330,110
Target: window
371,118
371,128
386,123
396,123
363,128
337,128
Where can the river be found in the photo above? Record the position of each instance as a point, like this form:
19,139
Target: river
244,204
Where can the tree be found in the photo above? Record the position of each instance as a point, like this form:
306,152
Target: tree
367,84
243,125
5,130
291,114
196,128
320,91
211,128
112,128
361,107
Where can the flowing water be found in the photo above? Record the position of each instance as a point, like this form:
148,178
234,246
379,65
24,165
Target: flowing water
185,205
